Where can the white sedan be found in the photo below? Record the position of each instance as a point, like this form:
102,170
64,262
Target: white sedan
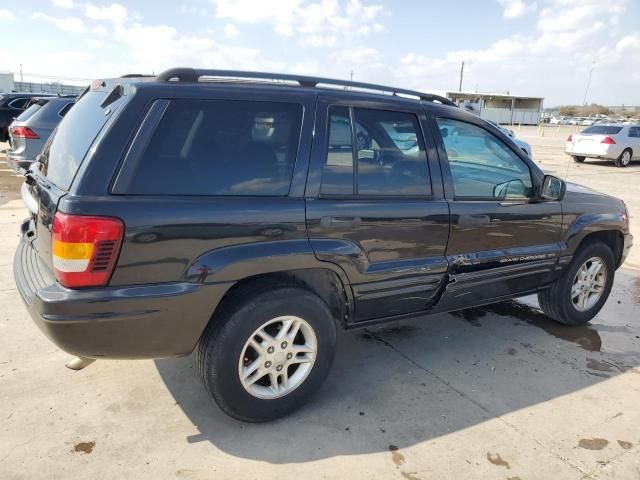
611,141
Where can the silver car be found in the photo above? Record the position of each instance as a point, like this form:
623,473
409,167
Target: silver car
607,141
524,146
29,132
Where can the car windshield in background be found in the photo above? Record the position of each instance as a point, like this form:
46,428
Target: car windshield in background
601,130
73,138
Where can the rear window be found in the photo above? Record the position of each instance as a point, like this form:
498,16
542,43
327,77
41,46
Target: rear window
601,130
28,113
215,147
73,138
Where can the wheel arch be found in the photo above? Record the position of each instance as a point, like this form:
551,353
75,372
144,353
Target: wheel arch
613,238
252,268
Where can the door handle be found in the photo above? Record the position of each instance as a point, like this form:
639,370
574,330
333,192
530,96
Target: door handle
340,222
474,219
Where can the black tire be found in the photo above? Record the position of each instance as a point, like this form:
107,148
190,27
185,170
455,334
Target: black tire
556,300
623,161
578,159
222,345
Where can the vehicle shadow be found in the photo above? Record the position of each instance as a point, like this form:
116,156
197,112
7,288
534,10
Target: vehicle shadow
418,380
633,165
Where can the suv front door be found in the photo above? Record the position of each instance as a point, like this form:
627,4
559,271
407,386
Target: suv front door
375,203
502,241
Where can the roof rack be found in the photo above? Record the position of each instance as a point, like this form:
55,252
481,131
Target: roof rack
136,75
192,75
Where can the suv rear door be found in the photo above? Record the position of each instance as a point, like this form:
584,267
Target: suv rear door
375,203
502,240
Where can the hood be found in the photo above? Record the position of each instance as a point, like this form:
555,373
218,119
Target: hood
579,194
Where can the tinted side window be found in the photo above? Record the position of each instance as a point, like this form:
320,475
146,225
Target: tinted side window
215,147
390,152
19,103
337,175
481,165
392,159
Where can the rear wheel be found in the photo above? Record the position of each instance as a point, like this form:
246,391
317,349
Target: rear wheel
578,159
624,159
264,357
582,290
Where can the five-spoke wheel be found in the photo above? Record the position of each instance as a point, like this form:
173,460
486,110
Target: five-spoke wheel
277,357
579,293
267,351
588,284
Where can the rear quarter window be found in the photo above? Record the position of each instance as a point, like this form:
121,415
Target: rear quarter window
220,147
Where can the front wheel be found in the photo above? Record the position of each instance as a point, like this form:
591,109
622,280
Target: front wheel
582,290
265,356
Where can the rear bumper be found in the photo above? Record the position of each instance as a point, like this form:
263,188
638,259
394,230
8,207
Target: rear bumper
593,150
141,321
16,162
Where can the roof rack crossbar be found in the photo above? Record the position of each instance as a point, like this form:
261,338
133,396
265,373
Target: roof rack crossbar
193,75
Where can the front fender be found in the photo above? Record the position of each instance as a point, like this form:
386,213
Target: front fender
586,224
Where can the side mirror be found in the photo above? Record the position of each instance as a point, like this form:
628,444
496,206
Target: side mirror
552,188
513,189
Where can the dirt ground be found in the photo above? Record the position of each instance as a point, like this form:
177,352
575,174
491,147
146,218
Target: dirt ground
499,392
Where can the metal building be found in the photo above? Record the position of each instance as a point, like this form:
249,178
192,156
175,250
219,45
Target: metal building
503,109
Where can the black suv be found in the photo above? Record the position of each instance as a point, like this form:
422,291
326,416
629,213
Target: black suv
251,215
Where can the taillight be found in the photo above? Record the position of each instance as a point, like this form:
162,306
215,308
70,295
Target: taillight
570,138
608,141
23,132
85,249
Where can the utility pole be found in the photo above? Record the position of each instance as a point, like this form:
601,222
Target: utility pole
461,72
20,73
586,90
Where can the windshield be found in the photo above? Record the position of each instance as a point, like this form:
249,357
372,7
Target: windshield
72,139
602,130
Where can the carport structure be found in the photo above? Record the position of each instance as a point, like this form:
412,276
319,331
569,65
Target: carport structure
499,108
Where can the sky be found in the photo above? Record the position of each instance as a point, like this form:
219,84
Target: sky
525,47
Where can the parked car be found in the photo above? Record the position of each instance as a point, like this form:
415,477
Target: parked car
309,229
617,142
12,105
588,121
522,145
29,132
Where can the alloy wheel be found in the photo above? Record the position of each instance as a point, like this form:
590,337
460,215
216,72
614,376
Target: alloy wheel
277,357
588,284
626,158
